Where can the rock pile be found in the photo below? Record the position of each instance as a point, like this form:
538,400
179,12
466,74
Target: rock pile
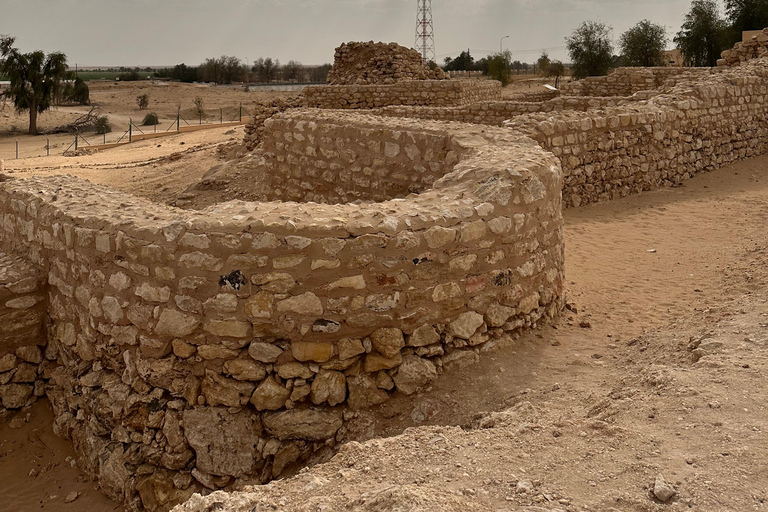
379,63
755,48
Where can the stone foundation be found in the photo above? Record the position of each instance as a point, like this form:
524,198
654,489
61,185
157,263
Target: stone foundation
628,81
436,93
203,350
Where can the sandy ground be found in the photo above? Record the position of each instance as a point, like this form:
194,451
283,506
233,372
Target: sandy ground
658,371
118,102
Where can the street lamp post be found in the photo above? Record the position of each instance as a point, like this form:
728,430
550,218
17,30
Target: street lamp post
501,42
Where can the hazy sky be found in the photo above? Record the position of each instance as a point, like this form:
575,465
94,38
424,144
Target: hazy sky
168,32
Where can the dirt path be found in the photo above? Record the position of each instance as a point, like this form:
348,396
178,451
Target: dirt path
668,379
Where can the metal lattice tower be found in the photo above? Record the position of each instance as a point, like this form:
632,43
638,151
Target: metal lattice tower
425,31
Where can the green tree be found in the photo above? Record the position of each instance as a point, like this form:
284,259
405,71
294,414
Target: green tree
464,62
80,93
500,67
555,70
746,15
543,63
702,37
643,45
591,49
35,77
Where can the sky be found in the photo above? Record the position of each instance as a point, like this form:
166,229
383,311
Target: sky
169,32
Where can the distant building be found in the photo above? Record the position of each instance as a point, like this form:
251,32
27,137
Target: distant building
673,58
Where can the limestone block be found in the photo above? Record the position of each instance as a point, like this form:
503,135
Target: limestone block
224,443
264,352
413,374
423,336
307,304
465,325
306,424
329,386
176,324
319,352
388,341
270,396
364,393
245,370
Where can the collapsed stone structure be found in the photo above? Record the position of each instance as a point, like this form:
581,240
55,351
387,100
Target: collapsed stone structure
379,63
185,350
745,51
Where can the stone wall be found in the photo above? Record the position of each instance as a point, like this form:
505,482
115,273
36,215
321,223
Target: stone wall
333,162
697,125
23,299
745,51
192,350
496,112
628,81
436,93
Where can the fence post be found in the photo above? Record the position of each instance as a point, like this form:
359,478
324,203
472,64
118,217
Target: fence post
47,146
130,129
105,139
17,148
75,142
178,119
201,118
221,115
241,112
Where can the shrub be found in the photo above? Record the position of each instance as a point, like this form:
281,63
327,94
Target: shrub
150,119
199,105
500,67
80,93
102,125
143,101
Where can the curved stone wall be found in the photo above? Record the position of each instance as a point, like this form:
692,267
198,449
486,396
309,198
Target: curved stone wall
204,349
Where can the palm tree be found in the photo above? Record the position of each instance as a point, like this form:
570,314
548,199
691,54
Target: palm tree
35,78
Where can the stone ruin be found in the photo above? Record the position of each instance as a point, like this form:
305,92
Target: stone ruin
745,51
188,351
379,64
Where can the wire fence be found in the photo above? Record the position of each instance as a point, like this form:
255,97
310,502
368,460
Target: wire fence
12,148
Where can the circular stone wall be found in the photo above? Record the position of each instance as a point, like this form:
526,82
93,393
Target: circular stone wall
199,349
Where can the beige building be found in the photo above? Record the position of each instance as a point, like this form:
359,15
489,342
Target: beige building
673,58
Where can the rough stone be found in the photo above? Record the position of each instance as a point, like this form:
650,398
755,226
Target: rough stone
329,386
423,336
466,325
270,396
224,443
264,352
364,393
307,304
176,324
388,341
413,374
306,424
